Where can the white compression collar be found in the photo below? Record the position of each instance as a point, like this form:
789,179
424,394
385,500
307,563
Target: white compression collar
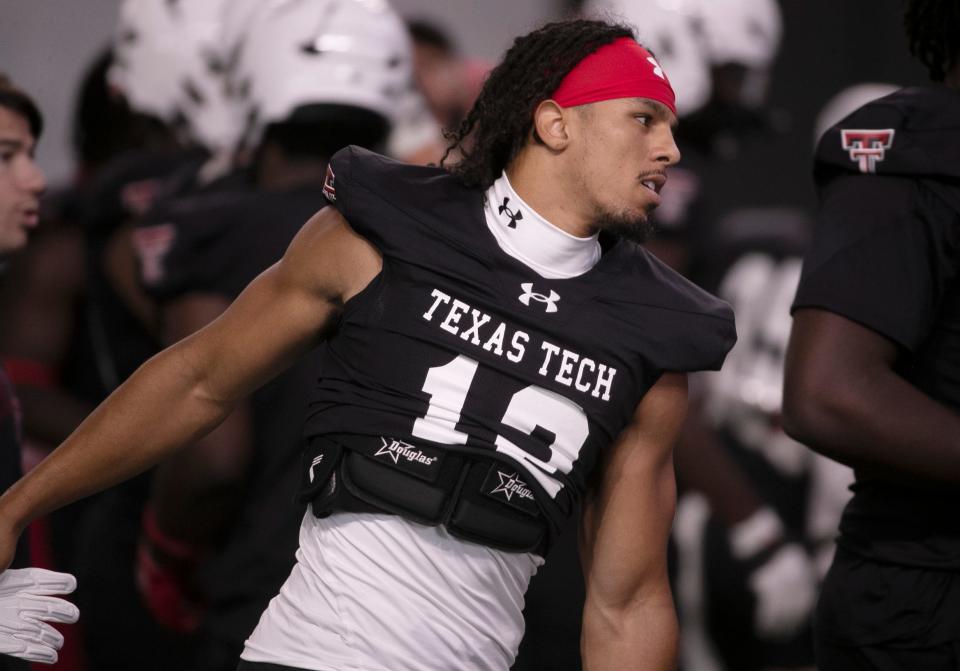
534,241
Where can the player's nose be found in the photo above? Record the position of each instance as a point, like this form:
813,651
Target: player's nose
665,147
31,177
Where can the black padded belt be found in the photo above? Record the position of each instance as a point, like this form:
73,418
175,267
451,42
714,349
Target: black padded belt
478,499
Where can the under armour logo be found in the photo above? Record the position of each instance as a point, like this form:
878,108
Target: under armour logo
514,216
657,70
867,147
529,293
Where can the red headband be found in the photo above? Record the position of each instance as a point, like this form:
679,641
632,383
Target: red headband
621,69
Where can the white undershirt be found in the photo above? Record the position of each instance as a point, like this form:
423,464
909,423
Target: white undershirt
374,592
547,249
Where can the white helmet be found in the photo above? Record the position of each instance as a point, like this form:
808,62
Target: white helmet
302,52
743,32
845,103
668,29
415,128
169,64
739,31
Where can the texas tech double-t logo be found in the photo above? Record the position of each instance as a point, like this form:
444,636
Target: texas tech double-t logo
866,147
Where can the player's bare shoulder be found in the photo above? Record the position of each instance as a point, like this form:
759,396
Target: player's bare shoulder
329,258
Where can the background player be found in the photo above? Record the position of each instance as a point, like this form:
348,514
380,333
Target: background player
873,372
25,604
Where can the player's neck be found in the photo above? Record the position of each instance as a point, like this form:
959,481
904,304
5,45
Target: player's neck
523,233
543,186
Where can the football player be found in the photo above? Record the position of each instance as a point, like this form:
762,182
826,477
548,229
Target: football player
494,362
21,184
220,528
27,603
873,366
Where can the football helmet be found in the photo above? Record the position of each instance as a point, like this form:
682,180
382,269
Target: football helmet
296,53
169,63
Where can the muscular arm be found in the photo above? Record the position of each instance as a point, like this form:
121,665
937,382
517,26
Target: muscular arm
195,491
182,393
629,620
843,398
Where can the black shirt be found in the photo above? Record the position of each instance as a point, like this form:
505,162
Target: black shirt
459,345
886,254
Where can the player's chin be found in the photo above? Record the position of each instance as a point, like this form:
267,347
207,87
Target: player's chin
642,215
632,225
641,208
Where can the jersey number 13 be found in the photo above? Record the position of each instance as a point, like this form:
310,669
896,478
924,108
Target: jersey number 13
529,408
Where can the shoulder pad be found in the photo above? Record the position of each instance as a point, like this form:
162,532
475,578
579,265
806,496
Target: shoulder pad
684,327
397,207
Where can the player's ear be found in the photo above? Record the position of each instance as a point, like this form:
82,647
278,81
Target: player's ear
551,125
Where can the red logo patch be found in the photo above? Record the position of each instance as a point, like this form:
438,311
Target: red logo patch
867,147
137,197
152,244
328,185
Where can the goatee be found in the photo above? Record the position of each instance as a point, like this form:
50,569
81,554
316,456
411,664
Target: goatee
626,226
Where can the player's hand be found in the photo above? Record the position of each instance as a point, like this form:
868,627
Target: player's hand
782,575
165,571
27,604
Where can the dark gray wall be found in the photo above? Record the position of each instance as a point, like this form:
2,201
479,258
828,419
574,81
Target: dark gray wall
827,46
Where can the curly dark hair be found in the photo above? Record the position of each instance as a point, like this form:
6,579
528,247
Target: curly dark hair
933,30
501,118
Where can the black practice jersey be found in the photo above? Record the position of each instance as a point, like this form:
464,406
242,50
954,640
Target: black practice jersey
216,243
457,344
219,241
114,342
886,254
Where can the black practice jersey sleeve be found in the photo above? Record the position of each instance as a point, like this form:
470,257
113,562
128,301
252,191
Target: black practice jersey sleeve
219,242
884,253
384,202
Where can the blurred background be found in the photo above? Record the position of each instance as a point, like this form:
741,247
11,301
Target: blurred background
179,168
826,46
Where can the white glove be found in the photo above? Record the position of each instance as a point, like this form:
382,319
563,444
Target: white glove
25,608
782,575
785,588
